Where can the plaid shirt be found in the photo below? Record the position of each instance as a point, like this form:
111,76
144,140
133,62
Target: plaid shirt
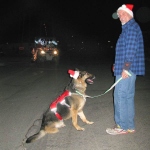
130,50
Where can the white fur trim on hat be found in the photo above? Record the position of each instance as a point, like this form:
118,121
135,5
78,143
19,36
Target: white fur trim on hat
127,9
73,74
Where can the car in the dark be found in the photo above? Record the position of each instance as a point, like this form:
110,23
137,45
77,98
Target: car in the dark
45,49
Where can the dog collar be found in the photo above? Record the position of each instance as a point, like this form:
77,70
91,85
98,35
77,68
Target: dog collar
83,95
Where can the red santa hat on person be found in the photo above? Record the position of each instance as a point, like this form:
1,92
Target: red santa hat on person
128,8
73,74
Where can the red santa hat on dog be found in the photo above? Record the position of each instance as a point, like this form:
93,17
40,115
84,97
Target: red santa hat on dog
128,8
73,74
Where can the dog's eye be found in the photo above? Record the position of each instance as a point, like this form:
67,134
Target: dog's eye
80,75
83,73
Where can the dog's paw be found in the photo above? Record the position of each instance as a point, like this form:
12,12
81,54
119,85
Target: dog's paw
89,122
60,124
80,129
63,125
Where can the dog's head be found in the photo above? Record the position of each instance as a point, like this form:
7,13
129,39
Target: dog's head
81,79
87,77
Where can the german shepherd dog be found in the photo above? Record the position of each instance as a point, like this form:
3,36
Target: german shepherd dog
68,105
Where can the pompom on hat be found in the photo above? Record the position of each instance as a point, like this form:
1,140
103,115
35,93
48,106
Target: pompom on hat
128,8
73,74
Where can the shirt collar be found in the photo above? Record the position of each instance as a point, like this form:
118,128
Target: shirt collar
128,23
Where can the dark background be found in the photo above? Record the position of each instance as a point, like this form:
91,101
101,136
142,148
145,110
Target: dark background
22,20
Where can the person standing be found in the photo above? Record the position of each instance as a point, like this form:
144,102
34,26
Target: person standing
129,59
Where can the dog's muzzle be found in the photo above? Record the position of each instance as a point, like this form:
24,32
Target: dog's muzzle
90,79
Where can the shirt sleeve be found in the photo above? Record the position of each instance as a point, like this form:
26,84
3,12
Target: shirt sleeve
131,43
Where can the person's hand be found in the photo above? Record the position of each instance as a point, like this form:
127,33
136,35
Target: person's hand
124,74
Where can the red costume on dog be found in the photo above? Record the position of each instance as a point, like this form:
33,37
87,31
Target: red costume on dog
61,100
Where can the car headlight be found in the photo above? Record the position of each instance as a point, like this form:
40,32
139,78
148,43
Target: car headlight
55,52
42,52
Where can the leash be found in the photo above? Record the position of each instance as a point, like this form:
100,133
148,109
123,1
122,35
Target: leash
106,90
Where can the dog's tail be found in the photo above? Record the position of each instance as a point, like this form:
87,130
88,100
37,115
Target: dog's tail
36,136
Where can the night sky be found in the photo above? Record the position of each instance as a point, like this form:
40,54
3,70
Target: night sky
22,20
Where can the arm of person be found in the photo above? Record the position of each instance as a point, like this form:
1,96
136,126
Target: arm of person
131,43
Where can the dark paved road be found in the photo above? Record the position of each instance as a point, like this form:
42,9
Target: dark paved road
27,89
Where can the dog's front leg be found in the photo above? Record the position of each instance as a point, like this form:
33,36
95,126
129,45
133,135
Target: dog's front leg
74,120
83,118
